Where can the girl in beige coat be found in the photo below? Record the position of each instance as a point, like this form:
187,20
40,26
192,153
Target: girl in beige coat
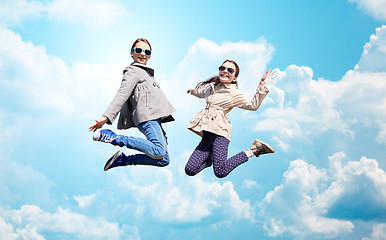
221,95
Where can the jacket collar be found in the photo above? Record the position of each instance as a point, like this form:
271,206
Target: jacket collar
144,67
226,85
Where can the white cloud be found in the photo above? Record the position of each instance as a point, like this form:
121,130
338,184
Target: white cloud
248,183
304,108
48,83
202,62
320,203
173,200
84,201
20,181
375,8
95,14
30,222
379,232
7,231
374,53
14,12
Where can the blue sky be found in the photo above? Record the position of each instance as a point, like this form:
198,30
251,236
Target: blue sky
61,63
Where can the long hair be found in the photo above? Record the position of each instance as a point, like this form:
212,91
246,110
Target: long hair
215,78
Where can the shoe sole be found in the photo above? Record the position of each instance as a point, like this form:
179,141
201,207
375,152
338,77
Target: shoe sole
96,135
112,160
266,144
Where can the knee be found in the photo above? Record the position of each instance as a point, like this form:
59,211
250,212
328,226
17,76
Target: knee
163,163
159,153
189,171
220,174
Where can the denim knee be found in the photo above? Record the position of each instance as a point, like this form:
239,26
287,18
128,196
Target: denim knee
159,153
163,162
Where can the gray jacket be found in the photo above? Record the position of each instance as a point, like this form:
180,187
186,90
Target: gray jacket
139,99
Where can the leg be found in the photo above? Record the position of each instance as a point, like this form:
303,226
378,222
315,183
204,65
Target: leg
201,157
119,159
221,165
155,145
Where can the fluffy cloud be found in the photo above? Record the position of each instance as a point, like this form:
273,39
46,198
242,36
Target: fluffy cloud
320,203
14,12
379,232
30,222
374,52
47,82
84,201
19,182
92,14
305,108
375,8
207,56
171,200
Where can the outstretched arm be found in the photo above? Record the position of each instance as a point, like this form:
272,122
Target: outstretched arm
260,94
267,77
98,123
201,92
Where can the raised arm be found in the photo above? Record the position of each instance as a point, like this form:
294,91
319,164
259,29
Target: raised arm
267,77
260,94
202,91
127,86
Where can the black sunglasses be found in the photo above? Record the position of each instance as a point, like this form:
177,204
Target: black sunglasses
138,50
230,70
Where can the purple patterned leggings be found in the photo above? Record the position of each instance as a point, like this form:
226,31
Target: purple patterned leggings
213,149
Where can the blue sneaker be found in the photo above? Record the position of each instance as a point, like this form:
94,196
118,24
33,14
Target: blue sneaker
115,161
104,135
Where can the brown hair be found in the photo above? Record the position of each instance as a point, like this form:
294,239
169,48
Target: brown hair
215,78
140,40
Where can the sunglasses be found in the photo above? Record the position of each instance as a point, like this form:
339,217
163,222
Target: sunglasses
138,50
230,70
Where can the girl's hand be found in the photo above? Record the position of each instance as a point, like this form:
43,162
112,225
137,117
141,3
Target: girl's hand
267,77
98,123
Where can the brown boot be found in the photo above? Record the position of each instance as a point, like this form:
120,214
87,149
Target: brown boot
259,147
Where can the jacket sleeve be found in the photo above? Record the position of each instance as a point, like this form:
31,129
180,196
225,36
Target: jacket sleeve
202,92
254,104
129,81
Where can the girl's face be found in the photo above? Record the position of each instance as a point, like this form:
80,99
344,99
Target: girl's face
140,57
227,72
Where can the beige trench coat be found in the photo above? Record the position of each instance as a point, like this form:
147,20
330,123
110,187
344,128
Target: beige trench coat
220,100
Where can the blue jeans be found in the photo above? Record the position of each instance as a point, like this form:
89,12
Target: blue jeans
155,146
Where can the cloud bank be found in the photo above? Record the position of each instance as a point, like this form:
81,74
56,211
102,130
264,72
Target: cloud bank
94,15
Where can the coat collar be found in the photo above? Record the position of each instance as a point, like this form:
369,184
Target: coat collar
144,67
226,85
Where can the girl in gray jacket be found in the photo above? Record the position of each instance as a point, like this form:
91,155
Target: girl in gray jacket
142,104
221,95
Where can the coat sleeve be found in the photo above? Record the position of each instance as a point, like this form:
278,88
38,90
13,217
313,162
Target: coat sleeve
202,92
254,104
129,81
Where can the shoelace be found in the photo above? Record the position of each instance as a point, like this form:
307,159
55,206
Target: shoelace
258,150
107,138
